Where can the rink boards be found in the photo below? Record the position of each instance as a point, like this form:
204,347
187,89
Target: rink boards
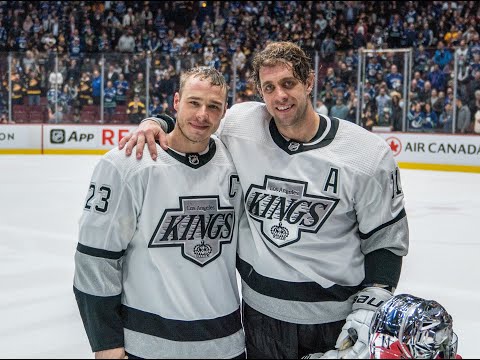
444,152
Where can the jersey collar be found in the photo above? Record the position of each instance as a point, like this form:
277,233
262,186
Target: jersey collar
324,136
195,160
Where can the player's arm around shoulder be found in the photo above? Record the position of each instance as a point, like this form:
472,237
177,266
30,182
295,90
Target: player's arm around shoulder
149,131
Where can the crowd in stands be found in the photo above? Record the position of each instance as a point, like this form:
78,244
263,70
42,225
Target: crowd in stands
69,59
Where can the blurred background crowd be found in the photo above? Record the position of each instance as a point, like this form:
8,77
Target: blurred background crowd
119,61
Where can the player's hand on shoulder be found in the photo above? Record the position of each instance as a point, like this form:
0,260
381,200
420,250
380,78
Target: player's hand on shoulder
147,132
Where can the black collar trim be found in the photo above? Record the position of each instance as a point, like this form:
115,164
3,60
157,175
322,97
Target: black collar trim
324,136
195,160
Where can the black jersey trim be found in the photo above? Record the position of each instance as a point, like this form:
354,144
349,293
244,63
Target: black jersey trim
294,147
101,317
169,121
195,160
382,267
399,217
106,254
178,330
293,291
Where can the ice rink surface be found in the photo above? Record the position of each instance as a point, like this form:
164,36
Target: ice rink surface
41,199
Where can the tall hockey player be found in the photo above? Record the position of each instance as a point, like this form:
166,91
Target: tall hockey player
155,263
325,207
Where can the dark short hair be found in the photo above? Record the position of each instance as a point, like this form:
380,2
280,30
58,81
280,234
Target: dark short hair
282,52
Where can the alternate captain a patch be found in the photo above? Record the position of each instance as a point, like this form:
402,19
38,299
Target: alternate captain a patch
285,209
200,227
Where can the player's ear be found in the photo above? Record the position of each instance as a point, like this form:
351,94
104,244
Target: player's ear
176,101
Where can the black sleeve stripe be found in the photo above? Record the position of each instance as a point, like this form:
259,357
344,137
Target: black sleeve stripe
102,320
292,291
400,216
114,255
382,267
169,121
180,330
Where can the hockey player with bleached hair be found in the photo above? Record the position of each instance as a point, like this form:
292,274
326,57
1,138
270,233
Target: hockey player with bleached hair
155,263
325,228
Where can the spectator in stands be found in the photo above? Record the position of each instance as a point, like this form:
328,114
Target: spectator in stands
30,62
167,89
18,89
452,37
126,43
339,110
442,55
395,32
239,58
55,114
431,120
33,88
96,87
437,78
394,79
368,120
352,109
321,108
415,117
445,121
56,79
4,118
425,94
85,90
383,102
411,36
139,87
397,112
328,49
155,107
438,101
112,74
109,101
122,87
70,89
464,116
136,110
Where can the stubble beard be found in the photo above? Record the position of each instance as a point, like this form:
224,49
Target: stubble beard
300,114
193,141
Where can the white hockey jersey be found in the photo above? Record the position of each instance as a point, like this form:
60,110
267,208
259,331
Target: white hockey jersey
315,211
155,262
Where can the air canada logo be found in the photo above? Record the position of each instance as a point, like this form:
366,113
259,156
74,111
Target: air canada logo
193,159
200,226
284,209
395,145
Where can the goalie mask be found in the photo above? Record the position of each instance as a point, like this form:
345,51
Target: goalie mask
407,327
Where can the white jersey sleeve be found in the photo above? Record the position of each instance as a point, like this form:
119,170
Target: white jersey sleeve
380,208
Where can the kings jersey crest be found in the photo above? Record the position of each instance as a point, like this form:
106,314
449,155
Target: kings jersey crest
285,209
200,226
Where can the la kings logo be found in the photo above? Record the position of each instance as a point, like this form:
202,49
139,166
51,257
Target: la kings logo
284,209
200,226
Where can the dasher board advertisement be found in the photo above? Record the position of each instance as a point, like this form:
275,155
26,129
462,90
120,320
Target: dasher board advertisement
435,151
75,139
20,139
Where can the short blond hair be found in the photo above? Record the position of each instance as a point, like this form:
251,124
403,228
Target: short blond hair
282,52
204,73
